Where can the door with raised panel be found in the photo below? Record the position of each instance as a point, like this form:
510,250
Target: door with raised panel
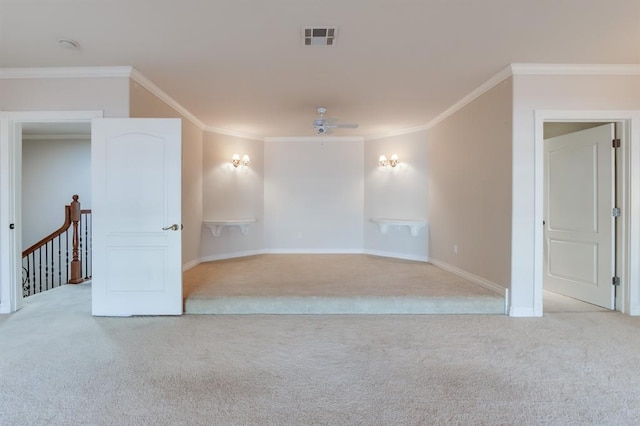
136,190
579,226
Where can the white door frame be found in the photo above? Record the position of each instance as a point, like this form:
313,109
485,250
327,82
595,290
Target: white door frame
628,201
10,196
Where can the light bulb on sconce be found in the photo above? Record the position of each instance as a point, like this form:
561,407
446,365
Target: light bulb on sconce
235,160
382,161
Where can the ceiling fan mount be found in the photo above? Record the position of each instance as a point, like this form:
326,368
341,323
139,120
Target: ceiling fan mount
325,125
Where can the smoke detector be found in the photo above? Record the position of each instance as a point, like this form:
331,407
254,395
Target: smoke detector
67,43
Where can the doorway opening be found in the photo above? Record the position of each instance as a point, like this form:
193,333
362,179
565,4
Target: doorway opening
13,126
551,124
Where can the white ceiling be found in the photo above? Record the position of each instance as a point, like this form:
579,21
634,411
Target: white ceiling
240,65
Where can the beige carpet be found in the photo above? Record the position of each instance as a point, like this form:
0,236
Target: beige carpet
60,366
331,284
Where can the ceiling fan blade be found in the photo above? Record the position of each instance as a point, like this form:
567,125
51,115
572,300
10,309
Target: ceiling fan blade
346,126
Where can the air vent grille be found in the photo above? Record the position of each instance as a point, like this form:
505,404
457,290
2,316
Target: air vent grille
319,36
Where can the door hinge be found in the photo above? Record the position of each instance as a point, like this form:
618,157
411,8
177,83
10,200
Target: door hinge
615,281
615,212
615,143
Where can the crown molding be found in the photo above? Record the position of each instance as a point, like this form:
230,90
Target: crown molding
65,72
400,132
520,69
315,139
574,69
513,69
143,81
498,78
233,133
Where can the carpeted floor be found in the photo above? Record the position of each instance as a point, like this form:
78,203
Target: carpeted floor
61,366
332,284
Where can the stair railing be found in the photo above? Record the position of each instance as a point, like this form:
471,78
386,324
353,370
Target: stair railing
49,263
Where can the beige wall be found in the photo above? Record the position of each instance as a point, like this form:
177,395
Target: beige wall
232,193
532,93
469,168
144,104
110,95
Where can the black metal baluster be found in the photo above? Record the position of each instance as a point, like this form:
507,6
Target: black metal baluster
46,267
40,266
59,260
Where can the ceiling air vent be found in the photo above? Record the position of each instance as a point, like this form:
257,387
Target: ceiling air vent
319,36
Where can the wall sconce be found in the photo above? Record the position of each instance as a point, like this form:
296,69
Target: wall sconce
382,161
235,160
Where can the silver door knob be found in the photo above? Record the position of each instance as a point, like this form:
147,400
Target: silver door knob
173,227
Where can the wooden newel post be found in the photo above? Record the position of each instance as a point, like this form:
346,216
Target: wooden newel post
76,265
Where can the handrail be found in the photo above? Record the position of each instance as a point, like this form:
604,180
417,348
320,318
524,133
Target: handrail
66,225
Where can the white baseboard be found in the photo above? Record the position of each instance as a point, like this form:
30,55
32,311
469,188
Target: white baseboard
189,265
523,312
397,255
312,251
489,285
223,256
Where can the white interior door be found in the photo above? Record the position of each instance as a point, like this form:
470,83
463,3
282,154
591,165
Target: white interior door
136,190
579,226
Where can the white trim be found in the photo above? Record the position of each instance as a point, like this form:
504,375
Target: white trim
233,133
66,72
518,69
397,255
523,312
489,285
8,299
312,251
408,130
498,78
575,69
315,139
629,200
143,81
162,95
633,266
223,256
10,206
192,264
503,74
